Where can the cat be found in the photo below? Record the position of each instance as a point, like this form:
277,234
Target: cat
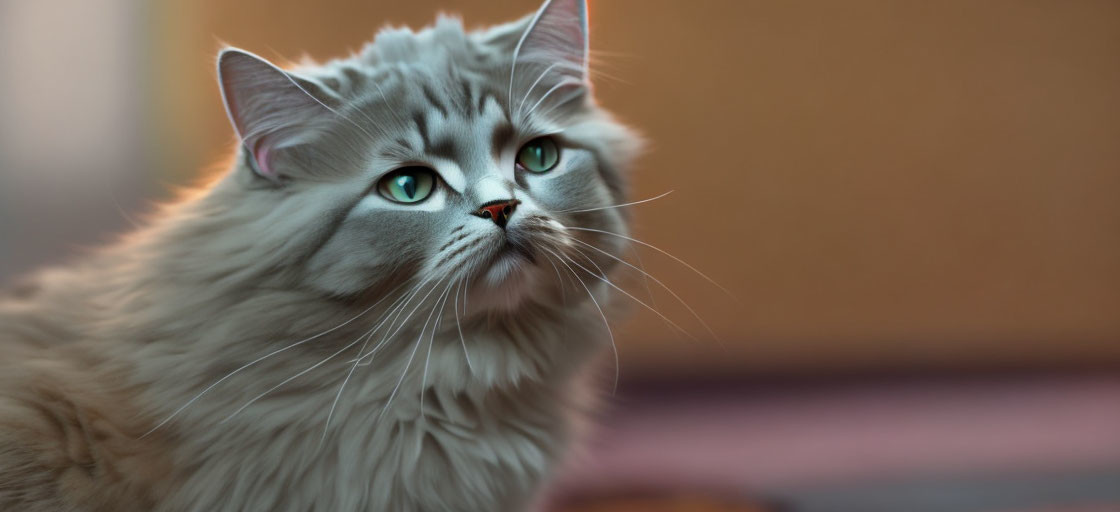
392,301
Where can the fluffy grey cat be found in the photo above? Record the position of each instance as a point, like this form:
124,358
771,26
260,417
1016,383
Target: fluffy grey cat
390,301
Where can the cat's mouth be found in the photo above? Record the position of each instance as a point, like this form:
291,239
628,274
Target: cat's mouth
512,269
509,261
516,248
509,275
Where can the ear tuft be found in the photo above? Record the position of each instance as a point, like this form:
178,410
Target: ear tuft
269,108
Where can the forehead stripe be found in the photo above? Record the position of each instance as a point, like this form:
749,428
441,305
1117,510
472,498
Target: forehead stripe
431,97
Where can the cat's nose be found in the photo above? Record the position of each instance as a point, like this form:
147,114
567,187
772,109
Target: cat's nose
498,211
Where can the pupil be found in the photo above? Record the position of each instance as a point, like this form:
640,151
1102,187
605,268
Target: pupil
407,185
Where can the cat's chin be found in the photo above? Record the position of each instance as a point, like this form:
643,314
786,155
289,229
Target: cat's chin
506,284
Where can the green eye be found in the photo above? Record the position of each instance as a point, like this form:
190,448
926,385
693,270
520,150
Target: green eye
539,155
408,185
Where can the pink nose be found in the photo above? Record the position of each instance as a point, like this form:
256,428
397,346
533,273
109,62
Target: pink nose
498,211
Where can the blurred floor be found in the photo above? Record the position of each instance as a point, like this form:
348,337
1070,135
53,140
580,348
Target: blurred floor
937,444
1079,491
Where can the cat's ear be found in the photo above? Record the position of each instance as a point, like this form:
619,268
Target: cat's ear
269,108
557,37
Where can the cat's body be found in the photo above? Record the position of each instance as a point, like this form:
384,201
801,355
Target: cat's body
73,414
287,340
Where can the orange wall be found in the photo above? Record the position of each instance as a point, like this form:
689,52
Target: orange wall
879,182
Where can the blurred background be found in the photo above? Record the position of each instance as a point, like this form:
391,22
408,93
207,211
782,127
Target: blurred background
915,206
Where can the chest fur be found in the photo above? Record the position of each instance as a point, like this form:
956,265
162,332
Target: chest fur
448,451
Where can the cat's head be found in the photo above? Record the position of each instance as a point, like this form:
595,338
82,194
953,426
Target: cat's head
438,158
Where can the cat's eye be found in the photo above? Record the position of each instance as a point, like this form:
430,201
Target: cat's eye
408,184
539,155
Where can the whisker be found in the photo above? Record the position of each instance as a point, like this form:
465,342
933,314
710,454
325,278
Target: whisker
384,340
626,293
660,283
642,268
597,72
466,295
567,81
388,104
399,303
431,342
293,377
610,333
459,326
341,387
559,279
388,335
334,111
521,105
398,306
408,365
266,356
122,211
678,260
617,205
